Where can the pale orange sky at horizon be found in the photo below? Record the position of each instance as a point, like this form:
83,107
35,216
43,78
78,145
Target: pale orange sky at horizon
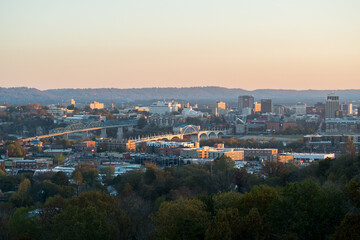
280,44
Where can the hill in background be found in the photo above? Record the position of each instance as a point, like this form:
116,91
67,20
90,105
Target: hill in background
23,95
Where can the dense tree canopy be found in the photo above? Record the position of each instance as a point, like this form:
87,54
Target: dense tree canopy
210,201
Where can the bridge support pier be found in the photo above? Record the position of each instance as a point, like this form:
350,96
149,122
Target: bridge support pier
103,133
85,134
66,136
120,133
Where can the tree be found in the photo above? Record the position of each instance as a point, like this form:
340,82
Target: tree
90,176
36,149
150,173
349,228
2,172
275,169
260,197
60,178
226,225
226,200
78,179
183,219
241,177
22,198
141,123
65,143
59,159
14,149
253,226
301,206
108,172
71,107
349,146
92,215
40,191
223,174
353,192
23,226
51,208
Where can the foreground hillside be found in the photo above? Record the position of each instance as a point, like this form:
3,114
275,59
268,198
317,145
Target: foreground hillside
321,201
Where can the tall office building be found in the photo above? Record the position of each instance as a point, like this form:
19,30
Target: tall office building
331,106
347,109
278,109
257,107
220,108
266,105
300,108
221,105
246,101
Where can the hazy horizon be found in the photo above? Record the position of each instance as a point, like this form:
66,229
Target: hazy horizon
258,44
257,89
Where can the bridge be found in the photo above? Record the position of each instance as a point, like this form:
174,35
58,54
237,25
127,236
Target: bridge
193,131
85,128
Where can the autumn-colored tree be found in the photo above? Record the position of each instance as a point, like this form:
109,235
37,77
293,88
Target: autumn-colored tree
275,169
78,179
14,149
59,159
22,198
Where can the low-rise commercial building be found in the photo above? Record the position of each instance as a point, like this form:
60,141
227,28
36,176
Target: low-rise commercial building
311,157
195,152
27,164
286,158
96,105
330,143
342,125
268,154
227,152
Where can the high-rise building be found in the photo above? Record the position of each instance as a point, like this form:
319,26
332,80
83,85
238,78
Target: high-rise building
266,105
346,108
278,109
257,107
220,108
246,101
331,106
221,105
300,108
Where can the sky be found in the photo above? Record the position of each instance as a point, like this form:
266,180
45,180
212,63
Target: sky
252,44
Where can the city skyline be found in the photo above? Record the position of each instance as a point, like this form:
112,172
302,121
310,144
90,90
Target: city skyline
125,44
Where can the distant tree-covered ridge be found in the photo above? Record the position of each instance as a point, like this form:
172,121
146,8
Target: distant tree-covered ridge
25,95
